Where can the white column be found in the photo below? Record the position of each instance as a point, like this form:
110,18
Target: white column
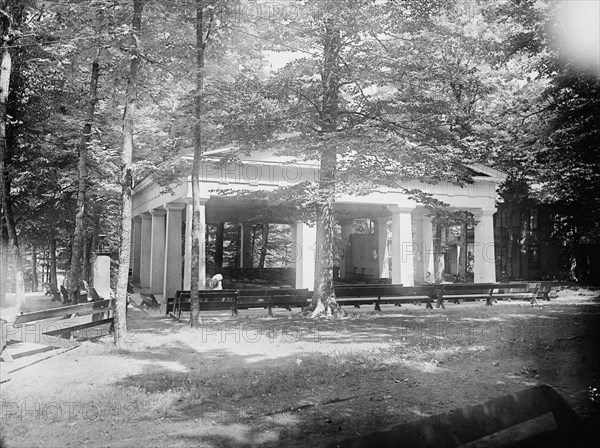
382,255
403,247
101,275
246,248
484,254
187,263
305,243
137,245
146,237
346,253
172,273
157,251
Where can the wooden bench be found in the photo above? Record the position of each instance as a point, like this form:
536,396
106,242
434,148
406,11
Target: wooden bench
149,301
217,300
55,326
381,294
491,292
270,298
210,300
236,299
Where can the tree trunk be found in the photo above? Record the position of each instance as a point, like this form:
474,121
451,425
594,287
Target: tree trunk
6,39
52,268
219,245
13,245
85,258
198,276
34,275
120,321
75,272
438,255
3,260
264,245
324,302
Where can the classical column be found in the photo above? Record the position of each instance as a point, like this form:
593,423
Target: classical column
136,242
187,256
146,237
382,254
403,247
246,248
305,243
172,273
157,251
346,252
484,256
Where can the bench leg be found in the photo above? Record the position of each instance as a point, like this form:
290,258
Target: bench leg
534,302
440,303
488,302
397,304
457,302
429,305
377,307
270,311
356,306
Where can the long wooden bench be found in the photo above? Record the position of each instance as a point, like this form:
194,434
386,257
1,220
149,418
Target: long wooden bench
210,300
55,326
491,292
236,299
384,294
273,298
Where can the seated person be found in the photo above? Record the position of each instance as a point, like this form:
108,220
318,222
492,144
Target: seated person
216,282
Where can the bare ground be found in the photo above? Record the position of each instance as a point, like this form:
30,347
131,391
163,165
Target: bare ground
293,382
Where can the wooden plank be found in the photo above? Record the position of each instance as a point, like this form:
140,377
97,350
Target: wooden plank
66,332
82,308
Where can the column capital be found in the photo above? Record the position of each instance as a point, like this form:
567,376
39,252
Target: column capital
174,206
398,209
381,219
482,212
145,216
137,218
190,201
158,212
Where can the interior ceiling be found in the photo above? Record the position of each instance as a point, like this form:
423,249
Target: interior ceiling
235,209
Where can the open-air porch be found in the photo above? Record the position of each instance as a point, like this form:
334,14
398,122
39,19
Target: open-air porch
397,248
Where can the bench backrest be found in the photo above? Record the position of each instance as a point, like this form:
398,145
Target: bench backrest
66,311
386,291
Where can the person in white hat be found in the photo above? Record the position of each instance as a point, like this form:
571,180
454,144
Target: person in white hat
216,282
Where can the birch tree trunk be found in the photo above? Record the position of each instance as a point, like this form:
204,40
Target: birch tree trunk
120,322
6,37
75,272
198,276
324,302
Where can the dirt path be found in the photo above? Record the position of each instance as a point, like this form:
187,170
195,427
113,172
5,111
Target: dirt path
286,381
